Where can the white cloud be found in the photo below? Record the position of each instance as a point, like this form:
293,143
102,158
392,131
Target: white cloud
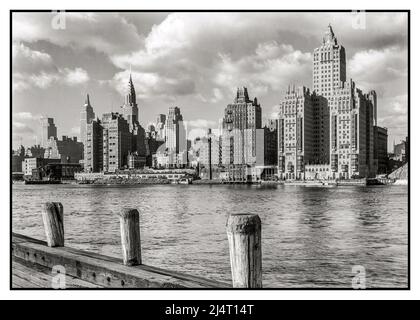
379,66
108,32
75,76
35,69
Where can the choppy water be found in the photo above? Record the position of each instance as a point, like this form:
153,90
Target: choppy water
312,237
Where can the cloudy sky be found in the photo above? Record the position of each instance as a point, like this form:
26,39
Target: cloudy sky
194,61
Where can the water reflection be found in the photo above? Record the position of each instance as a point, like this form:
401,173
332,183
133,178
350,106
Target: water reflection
311,236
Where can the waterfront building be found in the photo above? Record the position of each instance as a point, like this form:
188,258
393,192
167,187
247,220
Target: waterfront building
210,156
267,144
48,130
86,117
56,171
241,120
296,134
160,159
116,141
68,150
135,161
17,158
29,164
380,149
176,138
93,148
351,133
343,118
321,129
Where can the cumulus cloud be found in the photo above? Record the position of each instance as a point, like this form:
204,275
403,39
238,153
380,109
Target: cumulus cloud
22,128
75,76
32,68
200,58
379,65
109,33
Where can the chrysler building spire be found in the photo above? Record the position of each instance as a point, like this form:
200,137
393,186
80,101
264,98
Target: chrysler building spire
130,98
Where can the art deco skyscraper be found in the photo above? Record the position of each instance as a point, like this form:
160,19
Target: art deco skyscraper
130,109
48,129
86,117
242,119
329,65
176,138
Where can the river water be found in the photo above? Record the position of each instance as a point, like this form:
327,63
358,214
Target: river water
312,237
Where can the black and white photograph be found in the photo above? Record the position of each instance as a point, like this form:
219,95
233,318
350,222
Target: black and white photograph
211,150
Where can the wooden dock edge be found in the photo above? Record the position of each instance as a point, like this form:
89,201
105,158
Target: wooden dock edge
102,271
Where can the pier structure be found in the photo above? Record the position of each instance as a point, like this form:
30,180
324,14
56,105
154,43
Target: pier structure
40,264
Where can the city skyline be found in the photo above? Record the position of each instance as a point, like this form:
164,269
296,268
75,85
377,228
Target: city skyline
263,63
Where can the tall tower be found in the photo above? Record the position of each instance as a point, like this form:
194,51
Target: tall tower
329,65
130,110
240,124
48,129
86,117
176,138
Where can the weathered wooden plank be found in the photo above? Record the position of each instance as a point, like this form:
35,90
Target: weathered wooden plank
102,270
18,282
42,276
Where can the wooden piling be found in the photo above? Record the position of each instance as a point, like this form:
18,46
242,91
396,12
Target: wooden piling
130,236
53,219
244,235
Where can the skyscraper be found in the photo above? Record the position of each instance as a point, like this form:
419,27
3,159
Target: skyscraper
130,112
93,159
241,120
296,134
329,65
48,129
130,109
351,132
86,116
116,141
371,96
176,138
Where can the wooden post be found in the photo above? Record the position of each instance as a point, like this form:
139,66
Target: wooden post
52,216
244,235
130,236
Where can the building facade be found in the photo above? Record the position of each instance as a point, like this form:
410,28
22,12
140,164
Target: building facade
116,141
351,133
241,121
48,130
296,138
68,150
93,147
86,117
176,138
29,164
380,149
